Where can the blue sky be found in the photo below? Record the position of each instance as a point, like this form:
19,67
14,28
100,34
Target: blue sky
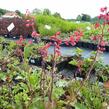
67,8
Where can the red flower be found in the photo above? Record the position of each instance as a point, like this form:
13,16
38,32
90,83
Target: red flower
66,42
57,46
58,33
35,34
97,25
101,49
59,41
72,41
94,38
103,9
46,46
101,16
20,41
30,42
103,43
71,38
77,38
53,37
76,33
57,51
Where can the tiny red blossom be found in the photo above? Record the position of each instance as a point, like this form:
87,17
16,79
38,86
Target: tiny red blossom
58,33
30,42
35,34
103,9
97,25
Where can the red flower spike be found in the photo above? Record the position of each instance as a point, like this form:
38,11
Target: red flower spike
101,16
57,46
53,37
32,24
27,12
71,39
73,43
59,41
20,41
44,50
103,9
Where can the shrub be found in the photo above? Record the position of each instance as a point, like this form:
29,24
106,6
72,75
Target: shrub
20,28
56,24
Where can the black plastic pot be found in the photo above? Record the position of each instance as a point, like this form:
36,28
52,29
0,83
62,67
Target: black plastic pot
85,45
94,46
107,48
79,44
91,46
35,61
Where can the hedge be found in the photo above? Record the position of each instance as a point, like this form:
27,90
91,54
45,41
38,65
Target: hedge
57,24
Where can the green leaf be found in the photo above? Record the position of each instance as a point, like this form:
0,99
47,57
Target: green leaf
61,83
80,106
27,52
73,62
78,51
57,91
34,79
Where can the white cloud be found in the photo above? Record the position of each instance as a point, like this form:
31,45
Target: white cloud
67,8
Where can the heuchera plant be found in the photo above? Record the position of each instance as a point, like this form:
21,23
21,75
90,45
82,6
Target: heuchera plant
101,43
100,38
31,23
73,39
104,17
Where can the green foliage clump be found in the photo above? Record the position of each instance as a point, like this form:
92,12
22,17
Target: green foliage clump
57,24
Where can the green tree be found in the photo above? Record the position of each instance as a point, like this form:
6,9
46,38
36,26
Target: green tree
79,18
56,14
19,13
86,17
36,11
46,12
2,11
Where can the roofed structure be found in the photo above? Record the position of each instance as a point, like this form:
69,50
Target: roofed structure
11,15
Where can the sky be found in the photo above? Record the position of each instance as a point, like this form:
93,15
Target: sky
67,8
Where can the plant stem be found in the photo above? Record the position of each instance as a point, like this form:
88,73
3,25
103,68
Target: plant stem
52,74
91,67
95,59
42,82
